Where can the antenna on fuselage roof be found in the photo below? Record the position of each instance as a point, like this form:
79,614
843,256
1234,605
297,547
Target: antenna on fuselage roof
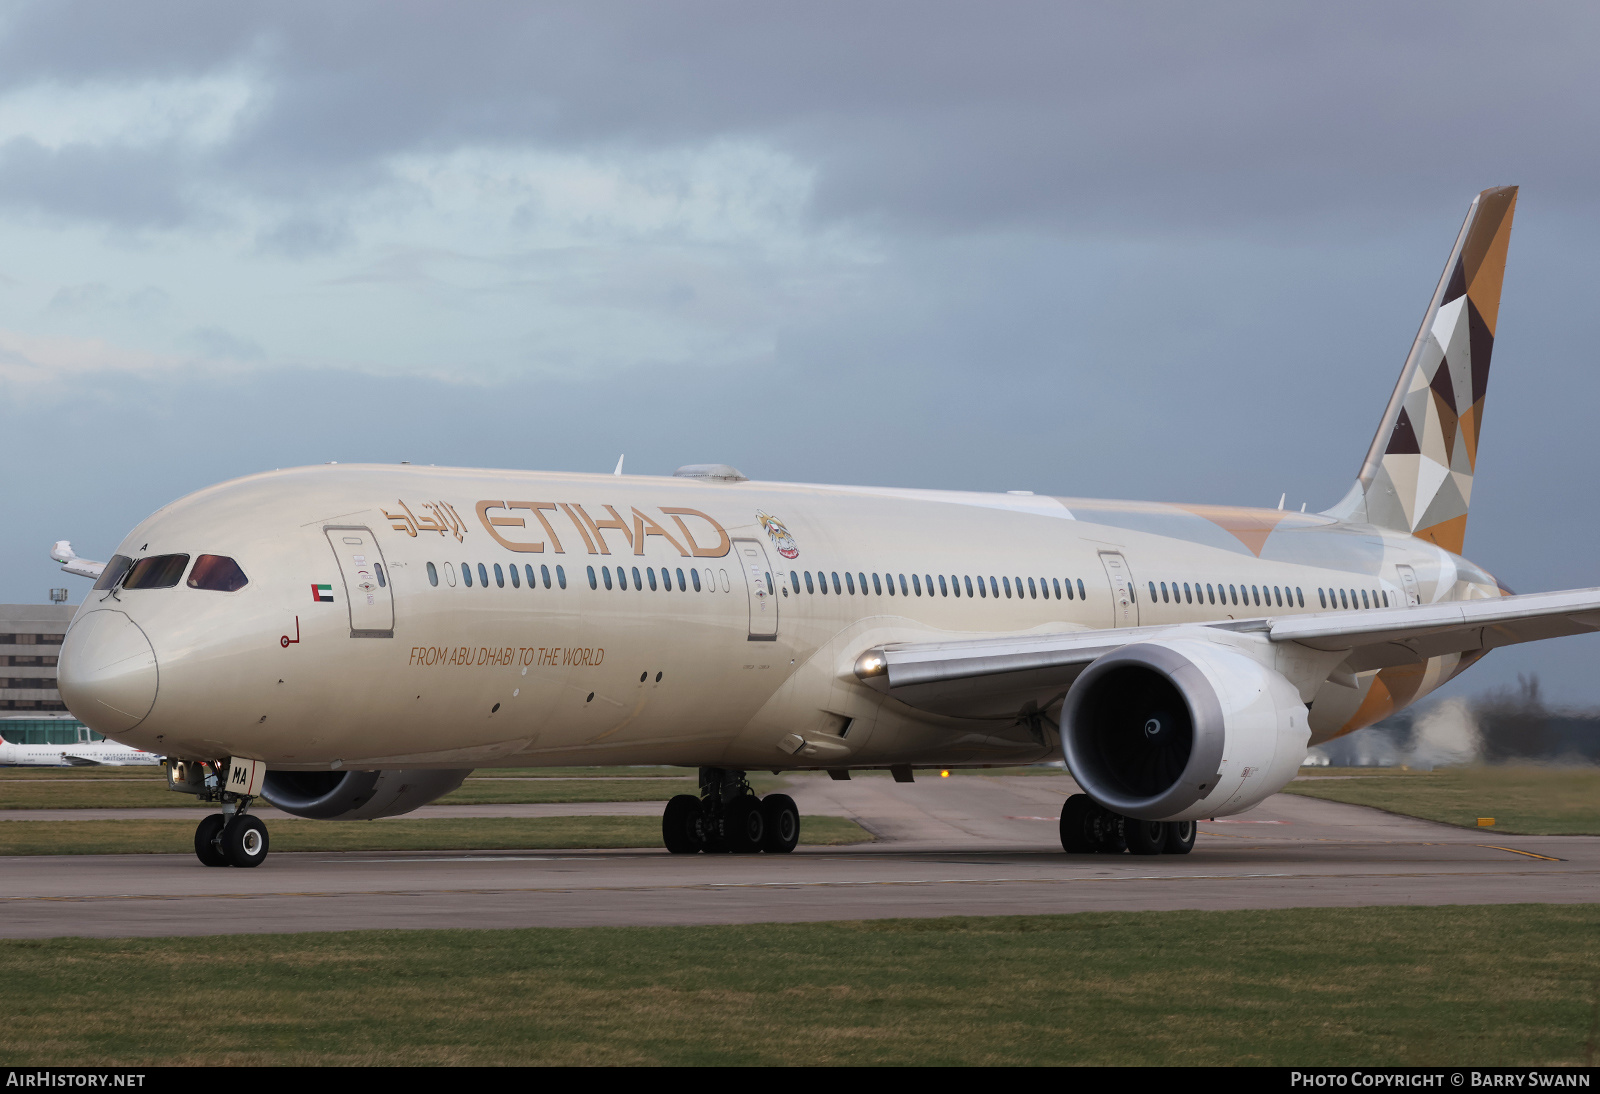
1283,497
620,458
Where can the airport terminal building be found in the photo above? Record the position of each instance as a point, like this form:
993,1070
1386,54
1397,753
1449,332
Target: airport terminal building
30,644
31,710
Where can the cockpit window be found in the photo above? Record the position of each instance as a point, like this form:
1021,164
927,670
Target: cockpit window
156,572
113,572
217,572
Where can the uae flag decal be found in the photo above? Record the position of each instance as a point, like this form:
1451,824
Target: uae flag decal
322,594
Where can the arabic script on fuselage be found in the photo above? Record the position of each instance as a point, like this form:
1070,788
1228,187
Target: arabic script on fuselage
444,520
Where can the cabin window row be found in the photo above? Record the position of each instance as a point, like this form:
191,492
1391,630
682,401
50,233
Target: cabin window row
686,581
955,585
1260,596
480,575
1346,598
1263,596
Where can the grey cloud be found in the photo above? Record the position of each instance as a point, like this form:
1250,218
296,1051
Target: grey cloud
149,298
925,117
96,296
130,187
304,234
217,343
71,299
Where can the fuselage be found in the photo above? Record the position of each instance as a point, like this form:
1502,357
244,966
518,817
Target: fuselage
402,616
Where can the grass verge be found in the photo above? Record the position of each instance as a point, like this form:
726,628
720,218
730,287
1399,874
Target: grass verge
1492,985
1522,799
133,837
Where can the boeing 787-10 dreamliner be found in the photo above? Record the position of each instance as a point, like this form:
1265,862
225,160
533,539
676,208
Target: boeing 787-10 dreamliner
351,641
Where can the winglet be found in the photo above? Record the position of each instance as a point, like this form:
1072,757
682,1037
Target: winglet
63,553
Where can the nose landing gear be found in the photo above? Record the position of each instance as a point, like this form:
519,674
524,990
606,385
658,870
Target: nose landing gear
1090,828
232,837
208,841
236,839
728,817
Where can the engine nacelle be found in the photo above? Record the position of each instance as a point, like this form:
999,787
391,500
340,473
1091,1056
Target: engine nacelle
1181,730
357,795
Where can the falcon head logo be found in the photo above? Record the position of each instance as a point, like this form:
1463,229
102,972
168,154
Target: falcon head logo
781,539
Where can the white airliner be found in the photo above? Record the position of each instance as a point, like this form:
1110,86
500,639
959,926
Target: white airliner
82,754
351,641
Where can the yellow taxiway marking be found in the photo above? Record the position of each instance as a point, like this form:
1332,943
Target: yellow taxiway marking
1514,851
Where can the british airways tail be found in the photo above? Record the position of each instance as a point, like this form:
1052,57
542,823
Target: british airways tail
1417,476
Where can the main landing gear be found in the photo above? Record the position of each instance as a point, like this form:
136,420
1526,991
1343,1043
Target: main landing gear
1088,828
728,817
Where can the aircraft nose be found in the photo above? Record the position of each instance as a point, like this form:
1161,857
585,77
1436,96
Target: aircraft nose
107,672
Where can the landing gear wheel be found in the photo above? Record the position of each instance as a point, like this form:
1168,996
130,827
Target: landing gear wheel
244,841
1077,838
1180,837
1106,828
782,824
205,841
1144,837
743,825
680,825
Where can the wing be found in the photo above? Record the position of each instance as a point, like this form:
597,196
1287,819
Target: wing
1009,675
1397,636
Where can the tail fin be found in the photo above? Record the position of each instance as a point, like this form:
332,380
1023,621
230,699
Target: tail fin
1417,476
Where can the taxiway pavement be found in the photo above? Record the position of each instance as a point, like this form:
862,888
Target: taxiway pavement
966,845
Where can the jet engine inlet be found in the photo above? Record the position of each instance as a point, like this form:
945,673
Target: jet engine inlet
1144,731
357,795
1177,730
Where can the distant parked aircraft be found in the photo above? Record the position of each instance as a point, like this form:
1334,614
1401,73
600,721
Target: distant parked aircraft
83,754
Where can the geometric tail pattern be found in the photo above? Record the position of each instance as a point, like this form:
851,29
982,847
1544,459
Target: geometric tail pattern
1418,475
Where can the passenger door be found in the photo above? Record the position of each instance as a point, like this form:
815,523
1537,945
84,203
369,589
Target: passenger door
1124,603
366,580
759,584
1408,581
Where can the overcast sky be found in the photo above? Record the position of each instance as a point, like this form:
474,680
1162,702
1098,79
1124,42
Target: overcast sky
1166,251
